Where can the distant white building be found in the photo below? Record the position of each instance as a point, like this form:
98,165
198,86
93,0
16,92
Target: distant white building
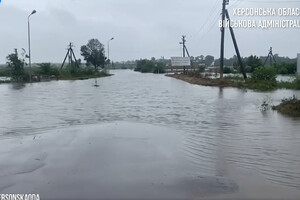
298,64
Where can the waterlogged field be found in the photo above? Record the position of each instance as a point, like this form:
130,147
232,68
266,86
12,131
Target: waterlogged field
163,136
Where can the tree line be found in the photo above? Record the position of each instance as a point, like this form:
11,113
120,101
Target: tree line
283,65
93,53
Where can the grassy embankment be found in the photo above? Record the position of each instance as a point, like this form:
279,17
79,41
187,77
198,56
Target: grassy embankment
238,82
262,79
290,106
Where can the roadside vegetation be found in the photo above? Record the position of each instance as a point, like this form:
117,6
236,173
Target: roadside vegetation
93,53
150,66
48,71
289,106
262,79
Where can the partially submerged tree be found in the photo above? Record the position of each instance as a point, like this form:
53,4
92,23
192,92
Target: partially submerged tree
94,53
16,66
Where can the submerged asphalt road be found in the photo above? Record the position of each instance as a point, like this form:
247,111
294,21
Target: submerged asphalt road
145,136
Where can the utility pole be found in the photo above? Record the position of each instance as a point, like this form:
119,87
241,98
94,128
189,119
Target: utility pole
183,45
184,49
236,48
70,54
270,55
225,2
225,14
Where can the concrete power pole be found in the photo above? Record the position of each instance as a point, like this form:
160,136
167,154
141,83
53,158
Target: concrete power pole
183,49
225,14
225,2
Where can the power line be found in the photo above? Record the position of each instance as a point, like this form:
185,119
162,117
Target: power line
209,15
235,4
211,27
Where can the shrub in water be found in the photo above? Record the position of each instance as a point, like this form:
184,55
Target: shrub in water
264,74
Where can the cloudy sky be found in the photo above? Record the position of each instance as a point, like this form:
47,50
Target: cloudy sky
141,28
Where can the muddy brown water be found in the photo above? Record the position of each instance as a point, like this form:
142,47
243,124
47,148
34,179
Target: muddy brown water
221,135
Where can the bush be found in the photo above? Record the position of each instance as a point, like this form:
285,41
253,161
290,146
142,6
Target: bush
47,69
290,106
72,71
253,62
285,68
227,70
297,82
201,69
159,68
149,66
263,85
264,74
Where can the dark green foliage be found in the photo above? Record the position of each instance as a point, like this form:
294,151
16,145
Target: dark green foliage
159,68
227,70
279,59
5,71
297,82
263,85
150,66
201,69
264,74
94,54
289,106
285,68
209,60
47,69
73,71
16,66
253,62
145,66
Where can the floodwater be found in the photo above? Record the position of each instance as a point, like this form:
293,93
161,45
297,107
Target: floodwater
221,135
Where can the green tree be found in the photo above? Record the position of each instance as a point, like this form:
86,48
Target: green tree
16,66
253,62
209,60
159,68
94,53
145,66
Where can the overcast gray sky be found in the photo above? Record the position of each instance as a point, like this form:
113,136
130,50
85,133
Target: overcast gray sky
141,28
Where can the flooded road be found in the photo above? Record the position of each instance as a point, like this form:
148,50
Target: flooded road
221,129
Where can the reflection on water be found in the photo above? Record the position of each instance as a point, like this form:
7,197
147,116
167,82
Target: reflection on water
17,86
221,125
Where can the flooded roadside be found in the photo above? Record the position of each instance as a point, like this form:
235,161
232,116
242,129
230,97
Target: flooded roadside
121,160
219,129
